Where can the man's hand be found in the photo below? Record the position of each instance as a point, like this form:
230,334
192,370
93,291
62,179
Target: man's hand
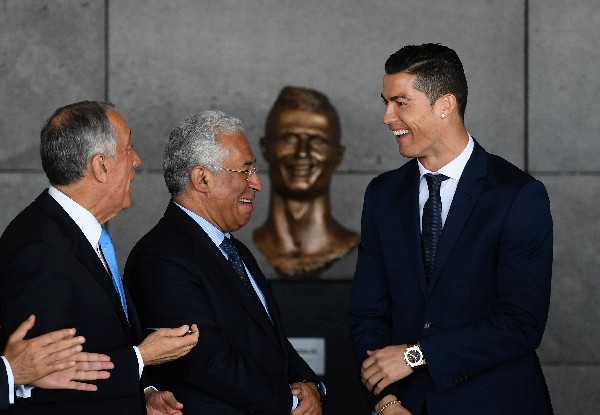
165,345
384,367
54,359
88,366
394,409
163,402
309,400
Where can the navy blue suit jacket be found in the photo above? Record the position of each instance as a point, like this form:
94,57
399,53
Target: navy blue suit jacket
243,362
482,315
48,268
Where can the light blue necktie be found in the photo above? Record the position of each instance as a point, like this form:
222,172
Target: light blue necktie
108,251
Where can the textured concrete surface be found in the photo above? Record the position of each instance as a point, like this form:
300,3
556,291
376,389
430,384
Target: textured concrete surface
573,388
51,54
574,310
187,56
564,55
17,191
531,67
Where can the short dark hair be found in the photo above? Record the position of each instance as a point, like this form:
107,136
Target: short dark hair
438,70
305,99
71,136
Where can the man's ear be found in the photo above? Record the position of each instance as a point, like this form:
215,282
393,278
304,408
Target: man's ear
199,179
447,105
99,166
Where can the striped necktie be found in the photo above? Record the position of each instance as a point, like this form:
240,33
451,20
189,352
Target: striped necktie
432,221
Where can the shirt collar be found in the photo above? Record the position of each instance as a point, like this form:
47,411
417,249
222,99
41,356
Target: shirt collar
455,168
211,230
81,216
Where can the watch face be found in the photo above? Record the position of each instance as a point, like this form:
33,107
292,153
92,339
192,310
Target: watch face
413,356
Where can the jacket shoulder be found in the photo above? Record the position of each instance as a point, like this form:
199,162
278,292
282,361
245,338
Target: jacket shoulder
389,180
503,173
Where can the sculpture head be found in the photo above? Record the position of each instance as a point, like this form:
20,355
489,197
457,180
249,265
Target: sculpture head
301,143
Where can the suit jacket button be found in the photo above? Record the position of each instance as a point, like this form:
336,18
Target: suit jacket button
427,325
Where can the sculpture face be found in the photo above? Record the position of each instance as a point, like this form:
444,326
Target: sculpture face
300,238
302,151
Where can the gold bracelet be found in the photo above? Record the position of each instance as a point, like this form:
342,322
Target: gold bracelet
390,403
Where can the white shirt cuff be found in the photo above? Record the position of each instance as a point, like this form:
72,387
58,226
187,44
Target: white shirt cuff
23,391
140,361
11,381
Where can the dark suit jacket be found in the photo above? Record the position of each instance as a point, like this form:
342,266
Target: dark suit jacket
482,315
48,268
4,401
243,363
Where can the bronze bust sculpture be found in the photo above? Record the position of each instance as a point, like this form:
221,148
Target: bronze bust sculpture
302,146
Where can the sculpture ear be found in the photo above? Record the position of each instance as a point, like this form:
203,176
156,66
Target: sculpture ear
341,150
264,148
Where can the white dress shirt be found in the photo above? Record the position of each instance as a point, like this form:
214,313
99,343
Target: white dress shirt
91,230
453,170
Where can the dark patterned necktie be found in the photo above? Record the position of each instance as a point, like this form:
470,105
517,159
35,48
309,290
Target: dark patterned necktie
432,221
238,266
236,262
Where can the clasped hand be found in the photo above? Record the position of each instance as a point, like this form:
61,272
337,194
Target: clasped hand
309,400
384,367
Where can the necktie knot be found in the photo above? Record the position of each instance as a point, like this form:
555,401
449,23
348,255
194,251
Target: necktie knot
105,238
234,259
434,181
228,247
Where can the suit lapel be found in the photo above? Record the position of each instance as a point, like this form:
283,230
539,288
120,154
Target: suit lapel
85,254
469,188
404,217
275,319
249,301
210,256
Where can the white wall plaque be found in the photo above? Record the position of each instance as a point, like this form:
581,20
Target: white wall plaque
312,350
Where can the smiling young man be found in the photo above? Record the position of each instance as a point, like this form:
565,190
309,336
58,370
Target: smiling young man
452,286
190,267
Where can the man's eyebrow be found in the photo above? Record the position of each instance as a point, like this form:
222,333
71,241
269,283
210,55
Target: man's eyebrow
250,163
397,98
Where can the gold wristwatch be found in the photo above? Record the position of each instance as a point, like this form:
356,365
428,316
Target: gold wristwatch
413,356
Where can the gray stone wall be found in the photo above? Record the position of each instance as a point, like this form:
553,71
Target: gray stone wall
532,71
